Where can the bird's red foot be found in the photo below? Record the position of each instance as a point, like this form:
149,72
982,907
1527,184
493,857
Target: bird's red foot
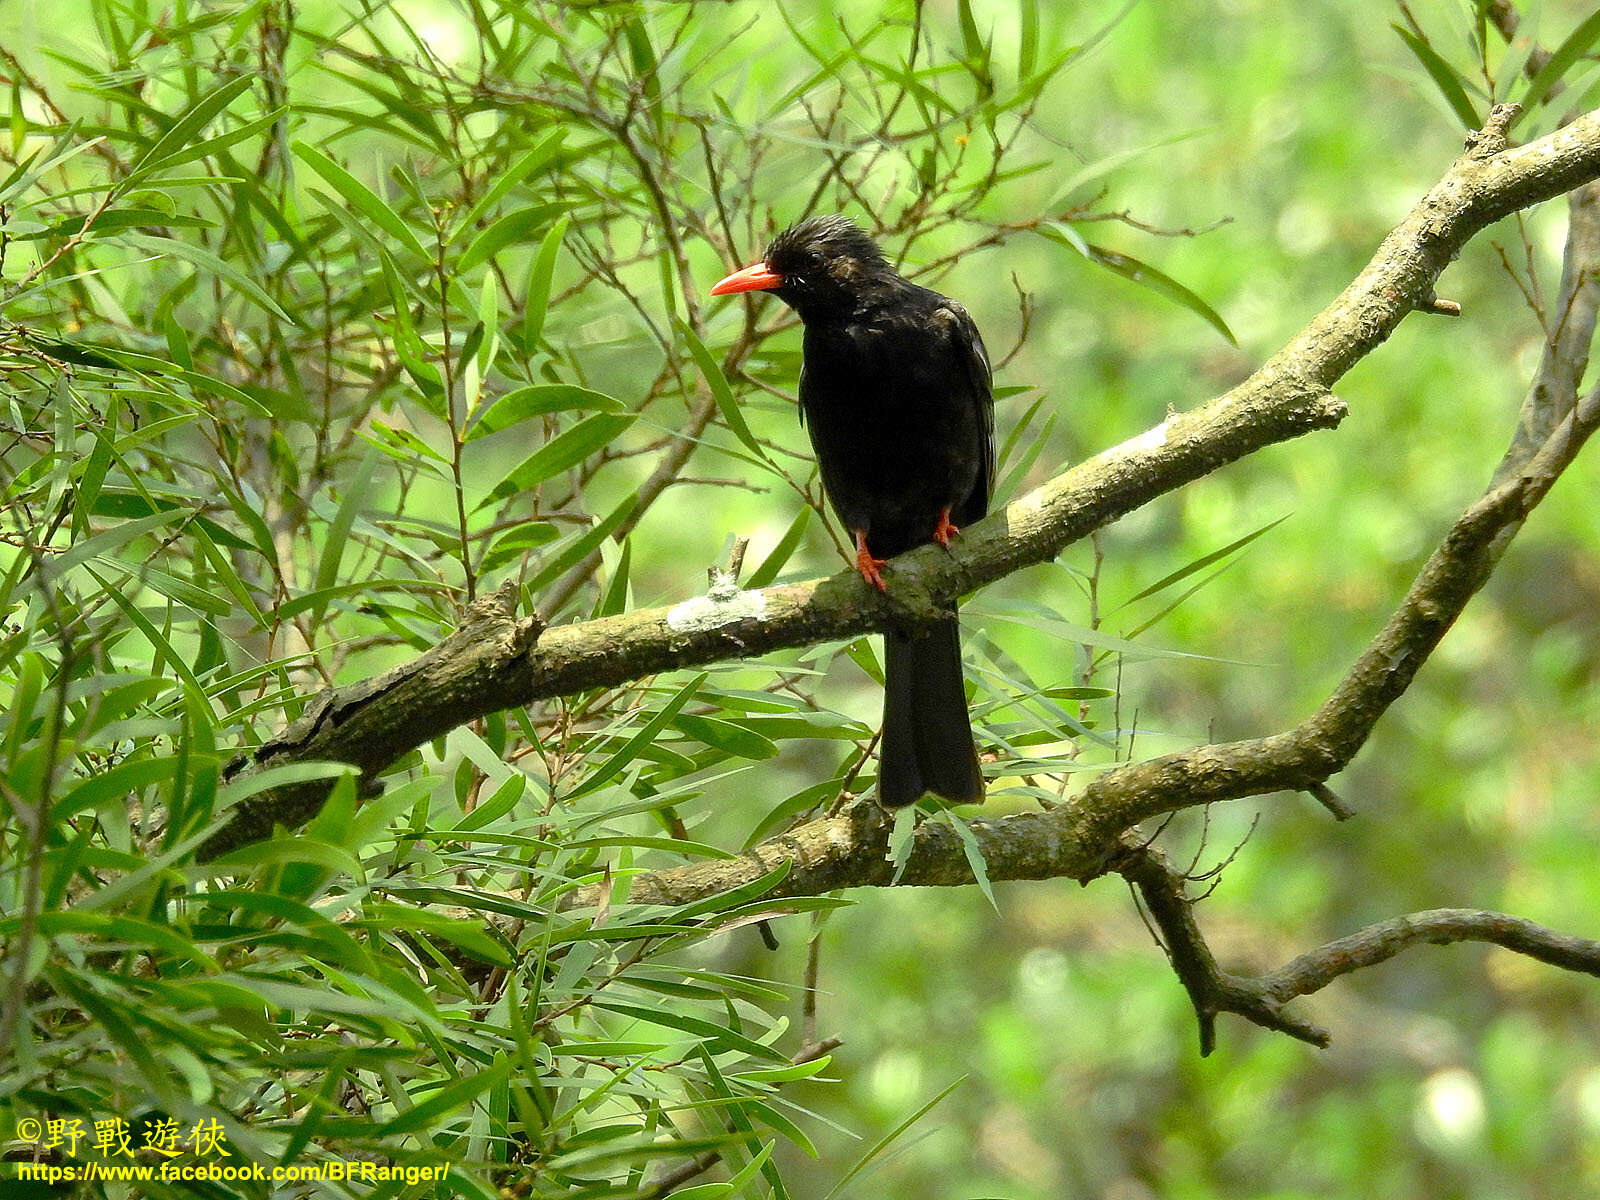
871,568
944,531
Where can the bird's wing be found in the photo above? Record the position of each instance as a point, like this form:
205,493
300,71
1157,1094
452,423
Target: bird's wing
975,360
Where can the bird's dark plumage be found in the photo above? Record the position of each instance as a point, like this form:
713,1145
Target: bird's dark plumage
895,391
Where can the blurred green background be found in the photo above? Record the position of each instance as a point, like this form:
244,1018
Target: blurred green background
1294,136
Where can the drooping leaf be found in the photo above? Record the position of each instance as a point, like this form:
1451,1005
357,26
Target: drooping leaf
212,265
362,199
1445,77
1576,45
1162,284
561,453
723,393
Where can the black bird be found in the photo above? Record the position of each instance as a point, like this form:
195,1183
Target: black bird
896,392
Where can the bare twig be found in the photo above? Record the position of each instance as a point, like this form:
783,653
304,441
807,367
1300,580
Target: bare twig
1261,999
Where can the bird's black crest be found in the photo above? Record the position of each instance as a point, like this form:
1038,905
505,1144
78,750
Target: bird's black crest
829,237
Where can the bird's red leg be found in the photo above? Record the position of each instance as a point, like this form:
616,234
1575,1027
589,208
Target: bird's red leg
871,568
944,531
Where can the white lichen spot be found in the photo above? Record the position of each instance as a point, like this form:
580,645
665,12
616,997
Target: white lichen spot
1150,439
721,607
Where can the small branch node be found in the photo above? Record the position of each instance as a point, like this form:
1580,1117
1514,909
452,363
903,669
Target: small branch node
1440,307
1330,800
724,581
1495,134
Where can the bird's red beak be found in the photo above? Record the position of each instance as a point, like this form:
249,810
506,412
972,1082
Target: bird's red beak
758,277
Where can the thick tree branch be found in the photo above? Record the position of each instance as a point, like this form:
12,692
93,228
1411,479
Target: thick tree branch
493,666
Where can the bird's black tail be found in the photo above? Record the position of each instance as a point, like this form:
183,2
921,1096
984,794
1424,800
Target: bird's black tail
927,736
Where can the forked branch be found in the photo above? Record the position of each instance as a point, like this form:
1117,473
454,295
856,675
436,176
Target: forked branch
1261,999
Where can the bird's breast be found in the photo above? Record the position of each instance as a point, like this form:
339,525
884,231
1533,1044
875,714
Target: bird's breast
896,431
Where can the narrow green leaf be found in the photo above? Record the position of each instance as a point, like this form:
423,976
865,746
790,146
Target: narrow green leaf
109,540
1171,606
156,637
646,69
782,552
745,893
130,930
901,838
24,695
206,261
252,783
540,400
110,1018
191,122
888,1139
1101,167
447,1101
615,599
551,568
720,1036
414,356
561,453
213,145
1576,45
757,1164
505,798
539,278
177,341
541,152
337,537
727,736
513,227
1444,76
974,855
788,1074
1147,276
1199,564
19,120
489,319
300,850
406,447
738,1119
670,845
1084,636
1027,37
124,779
359,197
769,1115
718,383
514,543
627,752
631,1150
